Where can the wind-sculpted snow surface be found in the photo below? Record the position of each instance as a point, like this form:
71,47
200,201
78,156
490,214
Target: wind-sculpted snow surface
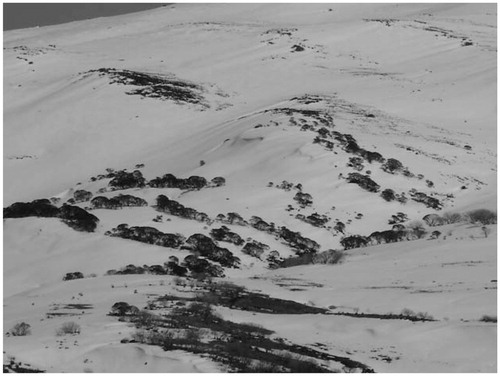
255,188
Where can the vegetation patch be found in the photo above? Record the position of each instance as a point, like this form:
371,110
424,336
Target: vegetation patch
149,235
74,216
404,315
223,234
172,207
204,246
127,180
364,181
193,326
154,85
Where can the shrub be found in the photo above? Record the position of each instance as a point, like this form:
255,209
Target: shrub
82,195
339,227
21,329
129,200
354,241
255,249
203,267
392,165
74,275
356,163
315,219
101,202
218,181
487,318
224,234
123,309
36,208
428,201
235,219
170,181
297,241
70,327
388,195
126,180
483,216
149,235
78,219
435,234
363,181
304,199
399,217
329,257
206,247
172,207
422,316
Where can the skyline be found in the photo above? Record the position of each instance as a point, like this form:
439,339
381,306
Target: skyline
26,15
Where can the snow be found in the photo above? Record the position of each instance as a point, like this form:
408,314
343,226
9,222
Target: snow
433,103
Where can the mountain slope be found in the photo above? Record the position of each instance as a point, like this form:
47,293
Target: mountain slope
309,112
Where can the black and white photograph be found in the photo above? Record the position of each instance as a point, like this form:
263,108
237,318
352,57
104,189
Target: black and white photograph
250,187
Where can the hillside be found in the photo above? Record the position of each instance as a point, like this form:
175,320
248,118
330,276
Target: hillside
218,142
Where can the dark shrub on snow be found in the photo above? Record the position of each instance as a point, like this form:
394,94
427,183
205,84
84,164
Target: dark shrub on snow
36,208
201,266
315,219
129,200
255,249
172,207
101,202
117,202
354,241
304,199
205,247
70,276
174,268
392,165
297,241
123,309
170,181
149,235
388,195
363,181
371,156
339,227
261,225
126,180
218,181
78,218
75,217
428,201
82,195
225,235
235,219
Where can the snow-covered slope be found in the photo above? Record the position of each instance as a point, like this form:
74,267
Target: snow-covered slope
259,94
